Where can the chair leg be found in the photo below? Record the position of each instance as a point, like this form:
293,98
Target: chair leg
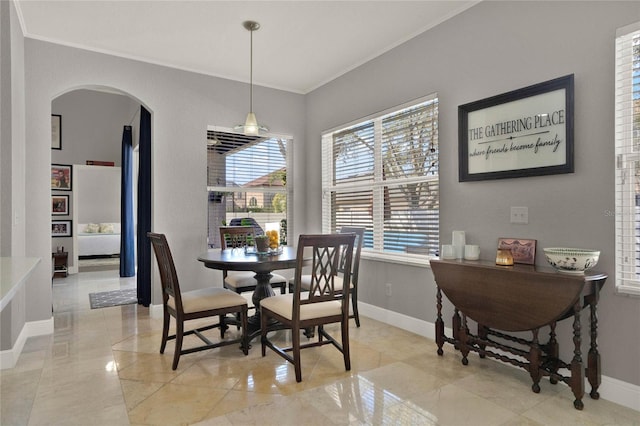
165,331
238,316
223,326
283,289
295,340
263,331
345,344
245,326
179,333
354,303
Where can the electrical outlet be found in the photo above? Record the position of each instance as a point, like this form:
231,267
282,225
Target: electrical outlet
388,289
520,215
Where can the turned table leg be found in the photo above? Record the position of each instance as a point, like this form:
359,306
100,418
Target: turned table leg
456,323
553,351
534,362
462,333
439,321
577,369
593,359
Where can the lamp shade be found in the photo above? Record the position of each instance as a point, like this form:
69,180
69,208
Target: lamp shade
251,125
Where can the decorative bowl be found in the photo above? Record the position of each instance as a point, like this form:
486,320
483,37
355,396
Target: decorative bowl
571,260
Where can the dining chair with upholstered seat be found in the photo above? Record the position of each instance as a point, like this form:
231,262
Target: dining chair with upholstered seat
330,261
196,304
235,237
355,269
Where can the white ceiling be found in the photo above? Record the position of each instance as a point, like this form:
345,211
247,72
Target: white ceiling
300,45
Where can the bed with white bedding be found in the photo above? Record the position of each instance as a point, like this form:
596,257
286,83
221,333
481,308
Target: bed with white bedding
98,239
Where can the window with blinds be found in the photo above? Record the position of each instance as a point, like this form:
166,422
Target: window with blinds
381,173
246,178
627,140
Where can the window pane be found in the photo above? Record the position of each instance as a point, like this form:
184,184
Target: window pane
354,209
411,218
410,143
263,164
353,153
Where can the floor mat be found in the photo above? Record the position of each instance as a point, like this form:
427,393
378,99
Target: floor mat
106,299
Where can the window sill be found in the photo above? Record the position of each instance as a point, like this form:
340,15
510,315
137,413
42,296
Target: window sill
401,259
628,291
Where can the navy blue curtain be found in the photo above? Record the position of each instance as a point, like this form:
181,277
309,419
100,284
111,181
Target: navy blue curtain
127,249
144,209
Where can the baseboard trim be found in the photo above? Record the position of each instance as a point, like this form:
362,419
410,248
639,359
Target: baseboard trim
9,357
155,311
614,390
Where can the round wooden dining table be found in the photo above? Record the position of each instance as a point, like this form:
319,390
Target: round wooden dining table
262,265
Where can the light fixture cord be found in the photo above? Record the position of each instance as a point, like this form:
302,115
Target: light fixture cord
251,72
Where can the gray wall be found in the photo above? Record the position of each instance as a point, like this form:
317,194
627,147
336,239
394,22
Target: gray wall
12,133
5,128
492,48
12,163
92,124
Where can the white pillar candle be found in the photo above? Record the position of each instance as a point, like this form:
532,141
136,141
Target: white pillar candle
458,242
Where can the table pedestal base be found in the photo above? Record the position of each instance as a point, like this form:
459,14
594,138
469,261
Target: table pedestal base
238,260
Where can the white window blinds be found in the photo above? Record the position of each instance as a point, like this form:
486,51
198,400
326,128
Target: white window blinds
246,178
627,161
382,174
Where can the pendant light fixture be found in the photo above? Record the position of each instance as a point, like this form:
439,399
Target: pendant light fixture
251,126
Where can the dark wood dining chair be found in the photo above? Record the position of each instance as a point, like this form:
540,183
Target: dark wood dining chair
355,269
190,305
322,304
242,281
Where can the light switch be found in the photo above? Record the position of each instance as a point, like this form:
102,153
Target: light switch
520,215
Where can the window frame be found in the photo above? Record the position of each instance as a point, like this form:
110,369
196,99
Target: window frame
377,253
627,158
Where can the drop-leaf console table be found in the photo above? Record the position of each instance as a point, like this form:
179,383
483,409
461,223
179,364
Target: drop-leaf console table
510,299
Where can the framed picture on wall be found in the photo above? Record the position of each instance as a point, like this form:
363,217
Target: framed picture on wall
526,132
59,205
61,177
61,228
56,131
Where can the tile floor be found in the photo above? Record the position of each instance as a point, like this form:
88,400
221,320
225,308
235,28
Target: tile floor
102,367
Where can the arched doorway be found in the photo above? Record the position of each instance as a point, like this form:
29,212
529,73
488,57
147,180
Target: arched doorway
92,119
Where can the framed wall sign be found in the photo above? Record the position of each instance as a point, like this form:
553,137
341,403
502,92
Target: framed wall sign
56,131
526,132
